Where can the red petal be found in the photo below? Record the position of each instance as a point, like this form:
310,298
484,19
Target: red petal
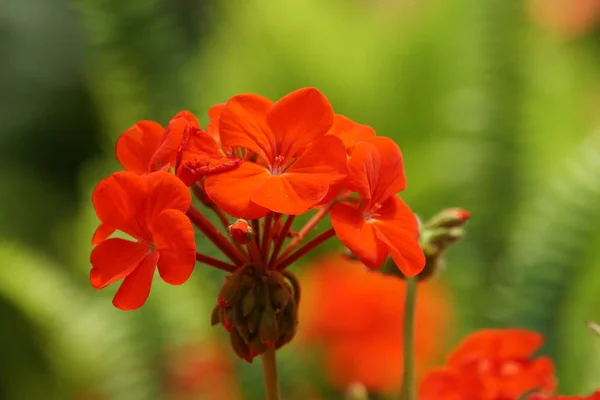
174,238
307,181
376,170
166,191
292,194
119,201
349,131
166,154
496,345
444,384
298,119
242,124
135,289
358,235
137,144
102,233
114,259
397,226
231,190
324,160
526,377
212,129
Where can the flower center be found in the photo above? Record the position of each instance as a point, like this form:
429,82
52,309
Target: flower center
372,213
278,165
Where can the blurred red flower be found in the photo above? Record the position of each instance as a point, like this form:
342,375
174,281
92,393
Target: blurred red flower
568,17
201,371
492,364
356,315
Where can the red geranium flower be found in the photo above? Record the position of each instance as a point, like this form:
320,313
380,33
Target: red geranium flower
380,223
492,364
290,162
151,209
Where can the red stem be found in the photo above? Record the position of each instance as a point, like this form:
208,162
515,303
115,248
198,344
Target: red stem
253,247
309,226
281,235
213,262
213,234
309,246
267,236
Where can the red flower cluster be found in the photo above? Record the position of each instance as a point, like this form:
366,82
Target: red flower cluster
492,364
259,161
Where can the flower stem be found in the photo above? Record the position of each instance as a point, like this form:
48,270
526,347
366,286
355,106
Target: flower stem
269,363
281,235
408,380
213,234
213,262
266,238
283,263
309,226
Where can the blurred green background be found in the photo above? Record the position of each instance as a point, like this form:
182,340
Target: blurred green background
494,103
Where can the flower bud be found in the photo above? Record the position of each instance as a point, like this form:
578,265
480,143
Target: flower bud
241,231
449,218
436,236
259,310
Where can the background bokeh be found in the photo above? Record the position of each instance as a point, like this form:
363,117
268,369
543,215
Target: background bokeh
495,104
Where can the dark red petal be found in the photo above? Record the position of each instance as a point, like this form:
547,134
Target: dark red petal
166,154
193,170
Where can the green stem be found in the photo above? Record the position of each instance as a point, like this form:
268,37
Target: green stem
269,363
408,380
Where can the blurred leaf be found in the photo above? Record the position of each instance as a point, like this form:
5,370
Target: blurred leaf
92,346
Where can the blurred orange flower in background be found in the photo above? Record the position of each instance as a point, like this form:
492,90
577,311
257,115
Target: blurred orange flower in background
567,17
201,371
356,315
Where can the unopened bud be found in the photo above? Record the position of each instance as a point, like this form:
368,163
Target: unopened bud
241,348
259,310
241,231
267,328
435,237
448,218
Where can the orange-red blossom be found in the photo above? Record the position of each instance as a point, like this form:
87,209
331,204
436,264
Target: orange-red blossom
261,161
492,364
